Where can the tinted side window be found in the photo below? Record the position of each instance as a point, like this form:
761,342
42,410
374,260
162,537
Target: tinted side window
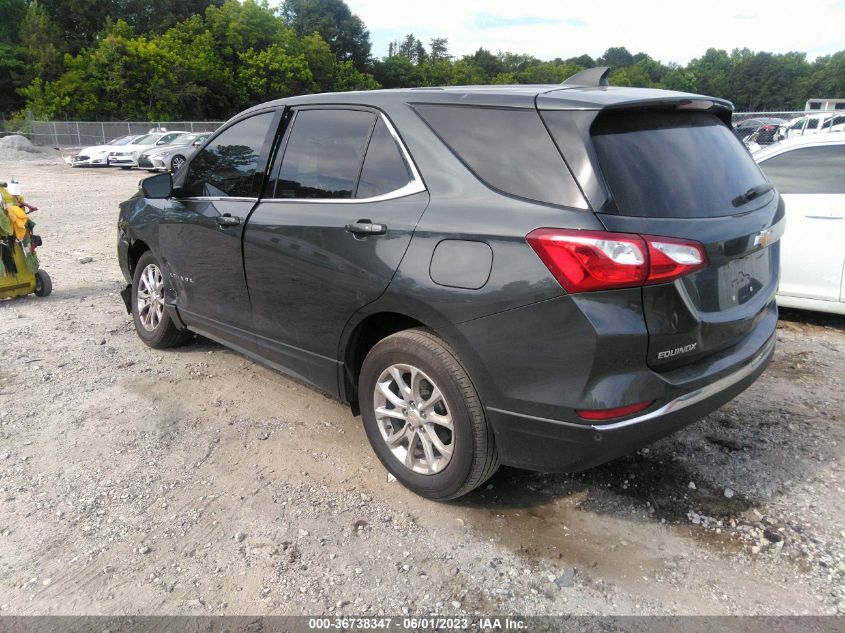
324,153
808,170
228,165
385,169
507,149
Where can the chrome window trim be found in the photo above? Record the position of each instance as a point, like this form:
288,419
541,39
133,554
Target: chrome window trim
415,185
219,198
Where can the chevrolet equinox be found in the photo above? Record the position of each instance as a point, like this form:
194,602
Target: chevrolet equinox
547,277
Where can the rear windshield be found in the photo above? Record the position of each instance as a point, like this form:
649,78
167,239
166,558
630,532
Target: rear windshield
673,164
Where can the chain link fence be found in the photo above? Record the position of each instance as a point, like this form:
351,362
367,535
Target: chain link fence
78,134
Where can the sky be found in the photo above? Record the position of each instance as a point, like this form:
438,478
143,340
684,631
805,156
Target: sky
668,31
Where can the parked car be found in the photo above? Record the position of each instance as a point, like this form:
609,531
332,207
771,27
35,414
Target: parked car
173,156
127,158
98,155
545,277
809,173
761,130
811,124
835,123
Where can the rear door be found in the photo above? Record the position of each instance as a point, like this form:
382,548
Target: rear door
339,210
682,173
812,183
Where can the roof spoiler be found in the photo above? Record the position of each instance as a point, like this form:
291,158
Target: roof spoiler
590,77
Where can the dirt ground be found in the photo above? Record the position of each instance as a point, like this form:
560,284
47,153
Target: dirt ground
196,481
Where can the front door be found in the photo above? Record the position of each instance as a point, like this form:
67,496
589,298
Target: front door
341,205
200,240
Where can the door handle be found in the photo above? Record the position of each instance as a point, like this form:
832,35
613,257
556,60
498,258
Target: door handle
363,228
227,219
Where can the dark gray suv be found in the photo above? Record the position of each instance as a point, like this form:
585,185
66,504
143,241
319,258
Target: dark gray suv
541,276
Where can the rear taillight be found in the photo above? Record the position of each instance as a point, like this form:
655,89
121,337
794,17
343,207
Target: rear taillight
584,261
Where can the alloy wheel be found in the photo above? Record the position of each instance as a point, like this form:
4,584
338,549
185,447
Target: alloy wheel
150,297
413,418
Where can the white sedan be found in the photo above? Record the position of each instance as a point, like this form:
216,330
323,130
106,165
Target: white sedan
98,155
809,172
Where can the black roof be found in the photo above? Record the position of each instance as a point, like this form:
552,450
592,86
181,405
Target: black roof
544,96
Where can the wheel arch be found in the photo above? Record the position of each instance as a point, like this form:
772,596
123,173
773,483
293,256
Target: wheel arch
136,250
368,328
360,339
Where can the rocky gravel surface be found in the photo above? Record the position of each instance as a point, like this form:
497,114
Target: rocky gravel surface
195,481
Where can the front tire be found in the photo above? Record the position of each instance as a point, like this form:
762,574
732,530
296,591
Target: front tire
424,418
152,321
176,162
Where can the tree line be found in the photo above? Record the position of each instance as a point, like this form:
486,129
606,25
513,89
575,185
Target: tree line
208,59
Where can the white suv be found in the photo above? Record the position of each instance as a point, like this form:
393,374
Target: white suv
812,124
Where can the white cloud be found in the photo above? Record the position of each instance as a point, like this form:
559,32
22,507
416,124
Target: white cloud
669,31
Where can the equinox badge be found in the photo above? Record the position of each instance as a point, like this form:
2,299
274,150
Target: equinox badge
669,353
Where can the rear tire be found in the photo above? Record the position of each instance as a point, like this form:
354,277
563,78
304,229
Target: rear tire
438,447
43,284
152,321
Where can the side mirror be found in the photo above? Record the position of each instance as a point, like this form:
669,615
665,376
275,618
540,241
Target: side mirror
158,187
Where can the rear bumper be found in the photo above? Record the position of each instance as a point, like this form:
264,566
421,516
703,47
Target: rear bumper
549,445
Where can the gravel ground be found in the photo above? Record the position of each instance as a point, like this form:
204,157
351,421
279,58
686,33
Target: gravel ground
196,481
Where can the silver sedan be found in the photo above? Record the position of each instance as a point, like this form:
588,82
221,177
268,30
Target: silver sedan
174,155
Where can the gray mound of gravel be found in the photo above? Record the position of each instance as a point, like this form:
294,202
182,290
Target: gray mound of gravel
17,147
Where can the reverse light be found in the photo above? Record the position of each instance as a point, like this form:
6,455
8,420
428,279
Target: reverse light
670,258
584,261
612,414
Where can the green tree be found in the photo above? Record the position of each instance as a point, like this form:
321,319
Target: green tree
273,73
156,16
42,42
396,72
439,49
616,57
488,64
12,66
344,32
347,77
12,12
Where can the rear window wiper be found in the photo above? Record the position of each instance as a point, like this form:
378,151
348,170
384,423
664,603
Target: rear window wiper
754,192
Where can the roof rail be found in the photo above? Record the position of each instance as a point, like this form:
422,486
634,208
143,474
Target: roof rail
590,77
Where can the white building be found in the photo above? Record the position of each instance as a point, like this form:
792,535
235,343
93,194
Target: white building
825,104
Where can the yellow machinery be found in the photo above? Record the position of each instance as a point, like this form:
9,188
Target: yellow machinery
16,277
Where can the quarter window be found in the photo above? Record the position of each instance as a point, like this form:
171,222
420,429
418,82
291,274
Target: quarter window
808,170
231,164
507,149
324,153
385,169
